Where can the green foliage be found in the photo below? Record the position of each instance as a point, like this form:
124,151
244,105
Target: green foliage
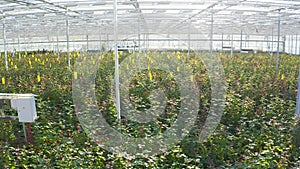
256,129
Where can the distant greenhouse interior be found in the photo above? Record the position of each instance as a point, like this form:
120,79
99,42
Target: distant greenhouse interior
168,24
158,84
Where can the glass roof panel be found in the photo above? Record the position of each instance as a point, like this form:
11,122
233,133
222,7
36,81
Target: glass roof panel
153,15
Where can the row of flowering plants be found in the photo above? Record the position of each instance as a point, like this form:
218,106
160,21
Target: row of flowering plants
255,131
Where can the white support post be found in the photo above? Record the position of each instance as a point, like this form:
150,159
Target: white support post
57,45
100,47
139,36
87,43
148,42
278,38
291,42
4,43
117,60
222,42
107,42
68,43
189,39
296,46
268,44
211,41
272,48
231,52
19,48
145,45
25,43
139,42
241,42
53,44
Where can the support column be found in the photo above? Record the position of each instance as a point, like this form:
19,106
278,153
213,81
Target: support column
241,42
57,46
68,43
4,43
231,52
296,46
117,61
19,49
222,42
145,45
272,48
291,42
189,39
100,47
107,42
139,35
211,41
278,38
87,42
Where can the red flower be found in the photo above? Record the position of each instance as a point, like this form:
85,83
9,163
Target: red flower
240,159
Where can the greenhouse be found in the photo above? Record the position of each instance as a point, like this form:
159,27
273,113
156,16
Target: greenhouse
150,84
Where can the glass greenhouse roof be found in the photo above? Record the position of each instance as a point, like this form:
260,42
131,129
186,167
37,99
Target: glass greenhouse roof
47,18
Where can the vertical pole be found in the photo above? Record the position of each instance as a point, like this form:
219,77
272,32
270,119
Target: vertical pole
48,44
19,47
139,35
24,41
291,42
296,46
145,42
53,44
168,36
117,59
29,133
107,43
139,44
241,42
231,52
189,40
148,42
211,40
68,43
4,43
100,47
57,46
222,42
298,98
87,42
283,43
272,48
278,38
